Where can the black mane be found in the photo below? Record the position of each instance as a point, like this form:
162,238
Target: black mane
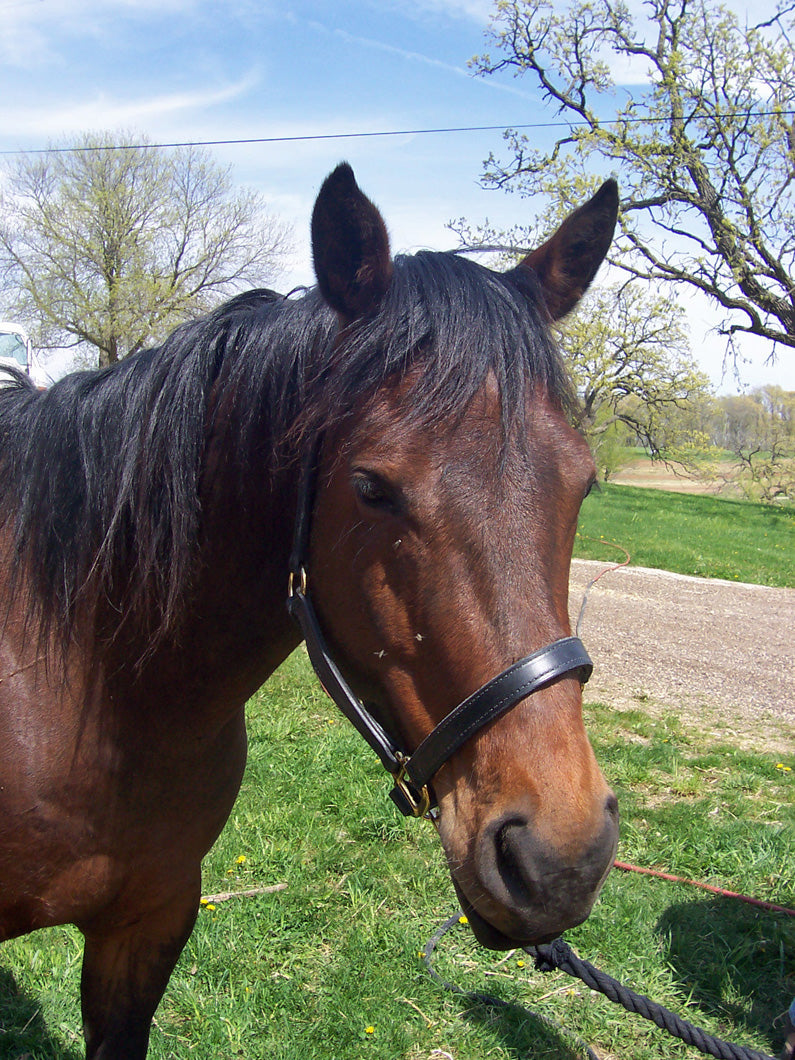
100,474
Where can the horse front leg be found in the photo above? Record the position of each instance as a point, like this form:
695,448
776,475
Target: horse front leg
126,970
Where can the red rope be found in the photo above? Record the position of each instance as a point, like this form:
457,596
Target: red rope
593,581
610,544
705,887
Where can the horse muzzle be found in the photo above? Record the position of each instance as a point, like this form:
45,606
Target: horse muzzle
517,890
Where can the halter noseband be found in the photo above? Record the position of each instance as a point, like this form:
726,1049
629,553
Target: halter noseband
412,793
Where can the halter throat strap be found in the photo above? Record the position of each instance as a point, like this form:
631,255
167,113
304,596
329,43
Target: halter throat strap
412,773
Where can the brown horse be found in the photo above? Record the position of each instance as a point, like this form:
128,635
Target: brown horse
146,519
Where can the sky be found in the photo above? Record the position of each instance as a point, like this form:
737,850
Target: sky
195,70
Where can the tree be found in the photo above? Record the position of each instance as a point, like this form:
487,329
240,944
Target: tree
704,149
112,246
737,423
632,366
758,429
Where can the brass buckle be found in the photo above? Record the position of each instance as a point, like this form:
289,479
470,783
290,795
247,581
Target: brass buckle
417,799
297,582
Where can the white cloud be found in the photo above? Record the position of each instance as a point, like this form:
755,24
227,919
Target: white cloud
475,10
31,32
102,111
426,60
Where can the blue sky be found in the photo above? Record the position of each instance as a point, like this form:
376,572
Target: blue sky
181,70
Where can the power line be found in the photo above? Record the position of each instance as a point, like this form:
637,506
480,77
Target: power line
283,139
442,130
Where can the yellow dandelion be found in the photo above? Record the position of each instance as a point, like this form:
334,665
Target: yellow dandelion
463,920
369,1030
783,768
241,859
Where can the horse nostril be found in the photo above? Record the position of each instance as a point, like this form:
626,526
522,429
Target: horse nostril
534,879
515,860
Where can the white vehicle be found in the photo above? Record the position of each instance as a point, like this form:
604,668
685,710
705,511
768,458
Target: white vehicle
14,347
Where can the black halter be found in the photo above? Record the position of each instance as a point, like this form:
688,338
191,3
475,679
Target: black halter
412,774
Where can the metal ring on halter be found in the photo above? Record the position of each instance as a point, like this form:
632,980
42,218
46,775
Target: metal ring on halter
409,799
297,582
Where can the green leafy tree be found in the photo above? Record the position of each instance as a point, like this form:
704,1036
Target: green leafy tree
631,362
703,148
758,429
111,248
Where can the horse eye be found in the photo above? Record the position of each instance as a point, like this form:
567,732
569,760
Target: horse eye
372,491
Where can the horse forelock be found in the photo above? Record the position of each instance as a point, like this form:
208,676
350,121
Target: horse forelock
100,475
452,323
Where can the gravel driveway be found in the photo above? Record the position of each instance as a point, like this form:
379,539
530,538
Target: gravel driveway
716,649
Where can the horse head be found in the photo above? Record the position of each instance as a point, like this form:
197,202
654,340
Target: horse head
442,531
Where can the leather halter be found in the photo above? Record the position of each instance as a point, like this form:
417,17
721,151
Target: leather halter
413,794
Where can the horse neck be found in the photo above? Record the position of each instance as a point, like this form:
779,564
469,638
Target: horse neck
234,629
241,588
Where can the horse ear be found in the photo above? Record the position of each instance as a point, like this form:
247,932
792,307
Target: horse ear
350,247
567,263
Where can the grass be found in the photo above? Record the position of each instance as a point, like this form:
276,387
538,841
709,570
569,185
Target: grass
709,537
329,968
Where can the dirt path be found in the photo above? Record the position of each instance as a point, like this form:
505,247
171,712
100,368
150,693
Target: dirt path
719,650
650,475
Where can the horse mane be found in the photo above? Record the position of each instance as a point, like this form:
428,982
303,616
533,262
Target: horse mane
100,474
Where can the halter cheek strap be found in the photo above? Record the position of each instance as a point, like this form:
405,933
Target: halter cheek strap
413,794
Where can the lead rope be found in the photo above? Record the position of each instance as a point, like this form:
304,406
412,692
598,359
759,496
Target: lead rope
559,955
488,999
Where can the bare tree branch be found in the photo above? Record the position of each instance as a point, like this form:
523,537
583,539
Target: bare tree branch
704,151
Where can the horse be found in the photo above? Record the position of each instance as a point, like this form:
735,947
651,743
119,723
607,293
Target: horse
404,427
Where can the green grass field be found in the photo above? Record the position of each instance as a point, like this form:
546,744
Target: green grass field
328,967
709,537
